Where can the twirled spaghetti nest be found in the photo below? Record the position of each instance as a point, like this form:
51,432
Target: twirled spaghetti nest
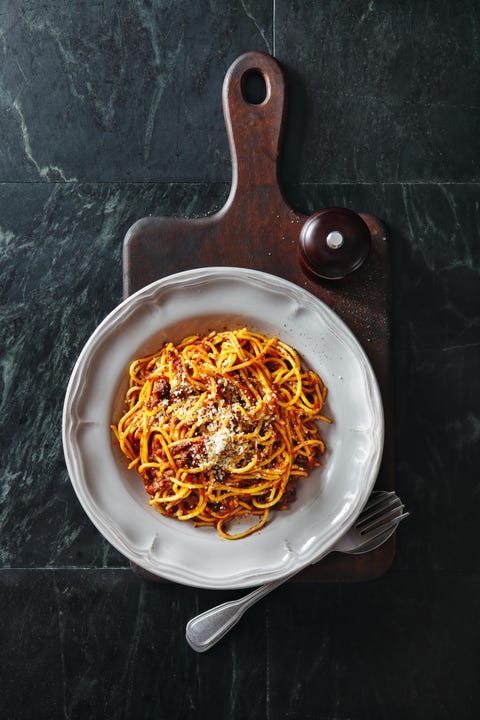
221,426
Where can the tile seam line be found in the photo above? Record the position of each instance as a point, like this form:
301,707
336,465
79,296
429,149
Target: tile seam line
274,34
46,568
391,573
301,183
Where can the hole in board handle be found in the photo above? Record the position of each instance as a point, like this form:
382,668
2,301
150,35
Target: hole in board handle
254,87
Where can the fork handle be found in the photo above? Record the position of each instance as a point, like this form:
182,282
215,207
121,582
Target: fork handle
205,630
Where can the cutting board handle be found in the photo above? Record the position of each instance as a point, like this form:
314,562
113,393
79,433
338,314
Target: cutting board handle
254,128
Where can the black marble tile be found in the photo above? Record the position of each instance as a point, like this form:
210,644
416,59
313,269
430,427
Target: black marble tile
102,643
389,91
105,644
378,93
394,648
106,90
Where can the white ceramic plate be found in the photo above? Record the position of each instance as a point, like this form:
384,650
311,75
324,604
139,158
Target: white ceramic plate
328,502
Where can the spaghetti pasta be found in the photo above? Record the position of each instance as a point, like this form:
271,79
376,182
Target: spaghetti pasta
221,426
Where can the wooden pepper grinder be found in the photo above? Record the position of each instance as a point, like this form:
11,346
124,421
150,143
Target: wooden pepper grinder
334,242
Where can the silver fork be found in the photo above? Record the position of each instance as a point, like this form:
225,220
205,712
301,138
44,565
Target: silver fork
375,524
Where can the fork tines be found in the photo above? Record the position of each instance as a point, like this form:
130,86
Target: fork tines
380,514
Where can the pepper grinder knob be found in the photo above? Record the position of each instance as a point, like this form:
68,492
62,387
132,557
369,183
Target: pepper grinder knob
333,243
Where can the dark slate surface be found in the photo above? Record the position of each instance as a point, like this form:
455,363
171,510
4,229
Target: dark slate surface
111,111
391,89
102,643
82,82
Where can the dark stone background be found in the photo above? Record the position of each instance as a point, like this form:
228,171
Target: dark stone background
110,111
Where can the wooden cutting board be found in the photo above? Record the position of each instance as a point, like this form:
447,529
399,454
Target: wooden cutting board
258,229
